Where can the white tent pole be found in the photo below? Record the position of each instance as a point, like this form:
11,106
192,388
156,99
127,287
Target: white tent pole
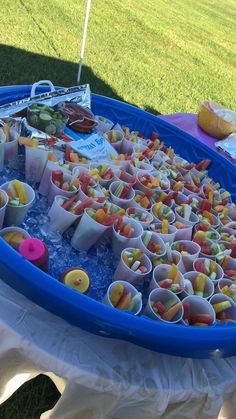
83,39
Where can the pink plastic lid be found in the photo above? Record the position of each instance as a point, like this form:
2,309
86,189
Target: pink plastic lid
32,249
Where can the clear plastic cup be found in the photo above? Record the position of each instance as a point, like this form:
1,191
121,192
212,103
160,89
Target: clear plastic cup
60,219
87,233
11,150
219,270
163,296
193,219
123,272
17,214
95,205
231,264
199,305
117,144
193,249
127,177
219,298
103,124
3,195
120,242
54,190
103,182
157,240
141,187
170,236
130,288
2,155
232,211
35,163
171,218
184,233
160,273
222,283
134,170
127,146
215,219
136,204
15,229
209,287
45,184
123,203
141,211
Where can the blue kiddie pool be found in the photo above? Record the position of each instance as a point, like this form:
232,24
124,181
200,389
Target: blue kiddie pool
194,342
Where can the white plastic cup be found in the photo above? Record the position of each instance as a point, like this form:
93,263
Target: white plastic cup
193,249
136,204
123,203
230,265
35,163
127,177
199,305
204,255
103,126
16,229
141,211
95,205
219,298
217,235
123,272
216,219
162,295
54,190
171,219
16,215
118,144
146,168
103,182
170,236
4,207
2,155
193,219
160,273
184,233
120,242
232,211
219,270
11,150
156,196
61,219
130,288
139,185
87,233
45,184
127,146
209,287
157,240
222,283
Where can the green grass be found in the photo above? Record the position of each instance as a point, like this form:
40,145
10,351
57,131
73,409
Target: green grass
160,55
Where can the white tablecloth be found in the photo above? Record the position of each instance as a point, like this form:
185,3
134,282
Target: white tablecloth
101,378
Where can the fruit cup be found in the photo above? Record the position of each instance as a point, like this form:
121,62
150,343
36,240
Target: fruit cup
45,183
115,138
199,284
229,268
210,268
162,212
35,163
19,205
14,236
167,277
224,307
184,214
152,245
189,251
122,194
140,215
151,180
103,124
227,287
183,232
126,232
133,267
3,205
124,176
197,311
123,296
164,306
61,184
62,218
136,166
142,200
164,230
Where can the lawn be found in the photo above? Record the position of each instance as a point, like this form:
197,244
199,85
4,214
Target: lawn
161,55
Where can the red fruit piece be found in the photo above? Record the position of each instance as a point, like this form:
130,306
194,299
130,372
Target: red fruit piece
199,266
202,165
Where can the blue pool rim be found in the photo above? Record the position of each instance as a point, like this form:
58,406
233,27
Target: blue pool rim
79,310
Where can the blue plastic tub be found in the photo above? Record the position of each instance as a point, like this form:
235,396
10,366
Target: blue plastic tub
79,310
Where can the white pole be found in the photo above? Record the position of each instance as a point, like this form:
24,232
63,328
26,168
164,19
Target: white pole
83,39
